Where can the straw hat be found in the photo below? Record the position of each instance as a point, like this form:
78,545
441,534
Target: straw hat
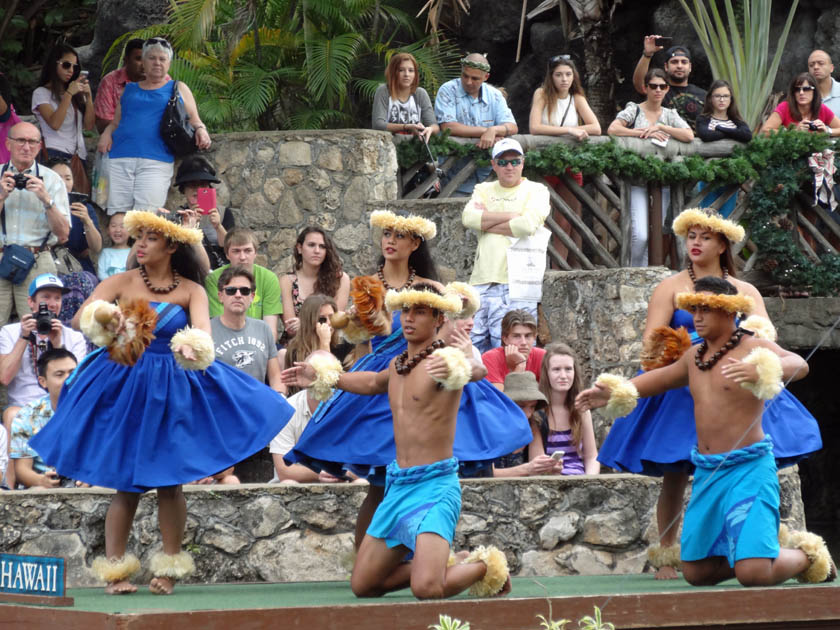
522,387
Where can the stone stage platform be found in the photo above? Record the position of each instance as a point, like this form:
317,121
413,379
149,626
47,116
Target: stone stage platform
631,601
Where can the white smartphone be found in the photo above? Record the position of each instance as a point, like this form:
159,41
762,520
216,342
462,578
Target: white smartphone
557,455
659,143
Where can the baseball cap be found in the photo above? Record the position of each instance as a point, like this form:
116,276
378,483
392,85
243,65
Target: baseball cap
678,51
507,144
44,281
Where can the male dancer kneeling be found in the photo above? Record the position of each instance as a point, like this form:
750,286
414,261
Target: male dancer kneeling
423,495
731,524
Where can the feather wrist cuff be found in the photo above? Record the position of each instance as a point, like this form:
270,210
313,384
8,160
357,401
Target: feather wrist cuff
769,368
822,567
623,395
115,569
459,370
200,342
660,556
327,370
497,570
95,319
177,566
761,327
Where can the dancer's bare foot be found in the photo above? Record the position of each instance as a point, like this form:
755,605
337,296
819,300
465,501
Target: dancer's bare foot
507,588
666,573
162,585
122,587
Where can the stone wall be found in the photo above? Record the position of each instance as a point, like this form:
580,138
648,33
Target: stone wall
547,526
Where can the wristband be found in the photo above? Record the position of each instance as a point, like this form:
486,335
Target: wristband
647,56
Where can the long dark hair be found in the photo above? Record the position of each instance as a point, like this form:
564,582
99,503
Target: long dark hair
732,112
49,75
330,271
575,417
550,93
185,261
421,261
799,80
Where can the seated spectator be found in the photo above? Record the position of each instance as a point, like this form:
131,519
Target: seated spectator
562,426
54,366
521,388
314,333
456,328
650,121
317,269
803,109
399,104
517,352
720,119
196,172
113,259
112,85
21,345
63,105
241,250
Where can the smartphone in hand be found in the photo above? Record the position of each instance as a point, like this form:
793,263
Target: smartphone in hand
663,41
206,199
558,455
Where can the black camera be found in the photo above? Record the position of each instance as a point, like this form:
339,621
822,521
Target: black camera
20,180
812,127
43,320
77,197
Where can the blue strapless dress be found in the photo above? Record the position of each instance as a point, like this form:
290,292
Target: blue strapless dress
355,432
156,424
659,434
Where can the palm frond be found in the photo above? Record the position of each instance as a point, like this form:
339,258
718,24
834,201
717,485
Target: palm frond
329,69
269,37
192,21
114,56
367,87
319,119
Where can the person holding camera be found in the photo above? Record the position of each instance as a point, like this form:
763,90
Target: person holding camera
34,216
22,343
803,109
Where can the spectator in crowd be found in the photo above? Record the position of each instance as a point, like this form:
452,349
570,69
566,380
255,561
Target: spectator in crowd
459,326
471,108
113,84
63,104
140,166
820,67
686,98
563,427
512,206
8,116
652,121
196,172
720,119
317,269
803,109
517,352
113,259
54,366
21,344
399,104
521,388
315,333
35,216
241,250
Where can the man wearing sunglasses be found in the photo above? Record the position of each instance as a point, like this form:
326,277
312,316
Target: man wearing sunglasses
244,342
498,210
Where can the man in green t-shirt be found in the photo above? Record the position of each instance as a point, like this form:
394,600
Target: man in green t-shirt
241,250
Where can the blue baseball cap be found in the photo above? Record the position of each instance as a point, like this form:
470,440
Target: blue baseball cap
46,281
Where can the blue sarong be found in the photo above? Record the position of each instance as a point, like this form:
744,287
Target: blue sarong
734,506
418,500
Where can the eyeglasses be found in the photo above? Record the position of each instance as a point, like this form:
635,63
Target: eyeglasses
157,40
557,58
323,320
658,86
513,162
722,97
67,65
803,88
24,141
245,291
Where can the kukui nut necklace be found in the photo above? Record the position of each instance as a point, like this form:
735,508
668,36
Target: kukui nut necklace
734,340
694,278
176,280
404,366
411,274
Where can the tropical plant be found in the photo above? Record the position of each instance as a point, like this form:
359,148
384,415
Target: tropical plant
445,622
589,622
738,50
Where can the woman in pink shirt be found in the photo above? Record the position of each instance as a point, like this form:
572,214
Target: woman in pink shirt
804,109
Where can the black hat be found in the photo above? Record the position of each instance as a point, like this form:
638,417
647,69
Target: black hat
678,51
195,169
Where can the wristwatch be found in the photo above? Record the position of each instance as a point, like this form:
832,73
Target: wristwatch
49,204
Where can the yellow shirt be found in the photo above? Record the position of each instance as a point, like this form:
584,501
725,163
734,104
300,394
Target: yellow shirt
529,200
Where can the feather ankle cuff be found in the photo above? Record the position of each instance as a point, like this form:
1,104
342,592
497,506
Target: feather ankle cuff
328,370
176,566
497,570
115,569
623,395
769,368
459,368
822,567
660,556
200,342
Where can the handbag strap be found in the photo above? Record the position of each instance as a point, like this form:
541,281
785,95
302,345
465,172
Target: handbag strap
568,105
3,209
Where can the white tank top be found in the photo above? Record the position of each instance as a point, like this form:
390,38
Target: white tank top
557,118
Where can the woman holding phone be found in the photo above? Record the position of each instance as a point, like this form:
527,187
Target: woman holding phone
315,332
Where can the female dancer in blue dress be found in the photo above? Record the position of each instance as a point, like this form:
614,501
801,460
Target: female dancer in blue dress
353,432
656,439
154,424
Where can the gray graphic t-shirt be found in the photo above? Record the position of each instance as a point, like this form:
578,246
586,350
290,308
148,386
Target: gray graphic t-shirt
248,349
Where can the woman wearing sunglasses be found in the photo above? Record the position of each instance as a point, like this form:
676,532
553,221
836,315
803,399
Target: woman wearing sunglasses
648,120
803,109
63,104
314,333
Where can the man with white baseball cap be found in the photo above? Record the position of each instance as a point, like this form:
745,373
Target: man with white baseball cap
502,212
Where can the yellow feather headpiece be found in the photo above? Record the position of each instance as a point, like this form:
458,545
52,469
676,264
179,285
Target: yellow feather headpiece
137,219
412,224
449,304
710,220
730,303
467,294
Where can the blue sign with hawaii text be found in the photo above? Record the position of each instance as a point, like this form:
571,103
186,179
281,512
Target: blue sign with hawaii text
31,575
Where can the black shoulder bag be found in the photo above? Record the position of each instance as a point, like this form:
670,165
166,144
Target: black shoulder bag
175,128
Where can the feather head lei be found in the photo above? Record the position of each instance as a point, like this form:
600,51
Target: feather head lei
467,294
137,219
412,224
472,63
449,304
710,220
730,303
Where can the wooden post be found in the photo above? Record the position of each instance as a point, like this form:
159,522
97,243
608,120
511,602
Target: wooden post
655,254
